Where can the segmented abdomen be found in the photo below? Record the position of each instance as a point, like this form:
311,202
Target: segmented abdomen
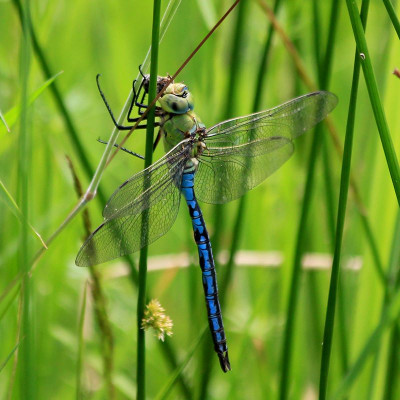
208,269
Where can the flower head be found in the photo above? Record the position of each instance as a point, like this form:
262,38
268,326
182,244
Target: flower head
154,317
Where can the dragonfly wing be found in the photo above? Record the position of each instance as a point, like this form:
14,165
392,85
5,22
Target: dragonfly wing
226,177
153,192
244,151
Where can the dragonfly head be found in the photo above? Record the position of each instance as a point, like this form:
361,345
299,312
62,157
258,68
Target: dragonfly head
176,99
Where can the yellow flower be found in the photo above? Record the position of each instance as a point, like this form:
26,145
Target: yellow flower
155,318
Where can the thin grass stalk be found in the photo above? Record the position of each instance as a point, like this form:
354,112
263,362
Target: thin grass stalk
299,247
10,354
344,186
141,303
219,214
79,390
392,15
27,379
374,97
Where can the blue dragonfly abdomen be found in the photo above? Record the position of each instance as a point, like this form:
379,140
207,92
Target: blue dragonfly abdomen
207,266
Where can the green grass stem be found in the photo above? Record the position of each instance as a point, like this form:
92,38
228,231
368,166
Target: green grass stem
344,187
26,365
393,17
141,303
374,97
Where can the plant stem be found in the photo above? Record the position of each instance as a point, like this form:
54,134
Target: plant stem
393,17
141,304
374,97
27,369
344,186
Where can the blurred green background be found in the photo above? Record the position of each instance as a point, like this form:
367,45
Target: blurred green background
112,38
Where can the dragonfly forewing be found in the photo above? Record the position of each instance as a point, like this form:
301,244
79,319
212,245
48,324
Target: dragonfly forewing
124,230
240,153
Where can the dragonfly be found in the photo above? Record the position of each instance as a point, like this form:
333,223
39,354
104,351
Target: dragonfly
214,165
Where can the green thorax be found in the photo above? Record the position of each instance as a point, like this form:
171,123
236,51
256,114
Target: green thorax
179,120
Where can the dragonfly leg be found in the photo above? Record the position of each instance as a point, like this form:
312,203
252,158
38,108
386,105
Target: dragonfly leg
120,127
159,134
132,153
140,104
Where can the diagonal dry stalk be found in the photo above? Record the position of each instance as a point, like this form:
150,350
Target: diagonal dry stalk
106,158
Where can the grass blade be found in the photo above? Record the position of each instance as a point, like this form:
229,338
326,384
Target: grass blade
26,369
13,114
141,303
374,97
166,390
9,356
12,205
4,121
344,187
393,17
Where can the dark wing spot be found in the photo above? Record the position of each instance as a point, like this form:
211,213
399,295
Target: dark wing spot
174,106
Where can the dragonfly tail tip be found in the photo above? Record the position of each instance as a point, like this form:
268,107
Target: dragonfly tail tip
224,361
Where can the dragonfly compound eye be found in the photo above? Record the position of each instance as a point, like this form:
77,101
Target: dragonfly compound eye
177,104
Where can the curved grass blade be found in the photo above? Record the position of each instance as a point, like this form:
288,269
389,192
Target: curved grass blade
12,205
4,122
13,114
9,356
166,389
